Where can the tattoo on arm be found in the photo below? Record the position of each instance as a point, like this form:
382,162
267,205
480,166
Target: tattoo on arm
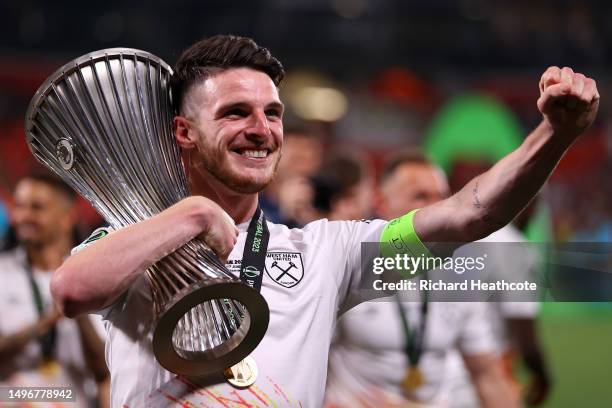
486,216
477,203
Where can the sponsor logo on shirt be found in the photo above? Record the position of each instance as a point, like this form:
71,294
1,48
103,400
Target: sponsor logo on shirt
285,268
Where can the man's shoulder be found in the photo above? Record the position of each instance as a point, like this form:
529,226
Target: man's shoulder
11,256
324,227
508,233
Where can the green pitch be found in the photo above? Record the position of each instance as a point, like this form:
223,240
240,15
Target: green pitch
577,339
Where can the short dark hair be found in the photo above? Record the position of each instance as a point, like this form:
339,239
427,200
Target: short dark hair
218,53
54,182
410,155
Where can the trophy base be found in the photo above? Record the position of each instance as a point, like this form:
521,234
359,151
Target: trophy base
195,363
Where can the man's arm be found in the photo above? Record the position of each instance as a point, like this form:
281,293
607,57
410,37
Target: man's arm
491,385
11,345
93,348
96,276
568,102
524,335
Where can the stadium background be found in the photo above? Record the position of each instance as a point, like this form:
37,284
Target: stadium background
372,74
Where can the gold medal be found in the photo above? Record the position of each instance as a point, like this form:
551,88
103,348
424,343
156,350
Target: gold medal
49,368
413,379
243,374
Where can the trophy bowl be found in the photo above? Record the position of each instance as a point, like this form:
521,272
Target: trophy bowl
103,123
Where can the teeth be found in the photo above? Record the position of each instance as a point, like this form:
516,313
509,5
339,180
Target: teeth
255,153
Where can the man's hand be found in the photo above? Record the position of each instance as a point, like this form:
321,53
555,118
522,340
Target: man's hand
568,101
538,390
219,232
12,345
46,322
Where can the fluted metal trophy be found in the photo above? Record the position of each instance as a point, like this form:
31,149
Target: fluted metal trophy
103,123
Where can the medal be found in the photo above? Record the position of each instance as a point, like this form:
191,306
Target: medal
413,379
243,374
49,368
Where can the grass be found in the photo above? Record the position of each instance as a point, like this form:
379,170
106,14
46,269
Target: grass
577,339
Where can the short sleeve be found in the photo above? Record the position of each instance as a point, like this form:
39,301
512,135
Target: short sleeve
477,334
95,236
353,286
98,315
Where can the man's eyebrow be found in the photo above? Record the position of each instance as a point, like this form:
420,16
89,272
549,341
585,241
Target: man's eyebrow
245,105
231,105
276,105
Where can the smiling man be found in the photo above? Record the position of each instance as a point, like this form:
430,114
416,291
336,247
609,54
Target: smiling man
229,124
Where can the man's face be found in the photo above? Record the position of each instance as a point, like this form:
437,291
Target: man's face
411,186
236,117
41,213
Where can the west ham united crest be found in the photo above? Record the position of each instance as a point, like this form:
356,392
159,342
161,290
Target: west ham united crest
285,268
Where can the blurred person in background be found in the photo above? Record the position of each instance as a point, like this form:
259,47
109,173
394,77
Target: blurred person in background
395,353
343,188
37,346
288,198
516,322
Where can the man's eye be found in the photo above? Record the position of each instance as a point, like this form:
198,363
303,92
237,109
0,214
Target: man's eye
236,112
273,112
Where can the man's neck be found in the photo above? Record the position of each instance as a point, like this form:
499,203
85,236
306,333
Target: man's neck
48,257
240,207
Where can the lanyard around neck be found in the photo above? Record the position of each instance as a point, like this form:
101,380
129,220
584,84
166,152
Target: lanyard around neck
413,339
47,340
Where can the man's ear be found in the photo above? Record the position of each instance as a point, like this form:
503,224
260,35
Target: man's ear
184,133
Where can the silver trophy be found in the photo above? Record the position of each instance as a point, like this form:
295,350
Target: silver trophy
103,123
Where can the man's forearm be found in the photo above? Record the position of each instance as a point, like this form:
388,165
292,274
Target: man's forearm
493,199
96,276
493,388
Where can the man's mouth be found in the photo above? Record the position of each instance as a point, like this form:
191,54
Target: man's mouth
253,153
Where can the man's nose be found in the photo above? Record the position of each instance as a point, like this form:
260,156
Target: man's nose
259,126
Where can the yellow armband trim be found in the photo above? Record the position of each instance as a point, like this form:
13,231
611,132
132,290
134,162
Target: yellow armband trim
399,237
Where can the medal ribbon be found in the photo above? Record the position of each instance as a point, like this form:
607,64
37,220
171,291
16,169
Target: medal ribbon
47,340
255,248
413,338
251,274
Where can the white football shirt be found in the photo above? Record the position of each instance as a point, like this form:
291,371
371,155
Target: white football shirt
292,357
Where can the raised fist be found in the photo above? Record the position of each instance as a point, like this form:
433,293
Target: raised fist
568,101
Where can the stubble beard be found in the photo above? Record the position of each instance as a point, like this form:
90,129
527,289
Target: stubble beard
222,172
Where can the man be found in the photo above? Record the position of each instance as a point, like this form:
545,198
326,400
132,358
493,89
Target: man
343,188
37,346
368,360
229,121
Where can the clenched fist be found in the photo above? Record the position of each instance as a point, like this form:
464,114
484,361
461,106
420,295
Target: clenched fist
568,101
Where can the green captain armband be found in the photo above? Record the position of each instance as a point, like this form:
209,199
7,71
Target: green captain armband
400,238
